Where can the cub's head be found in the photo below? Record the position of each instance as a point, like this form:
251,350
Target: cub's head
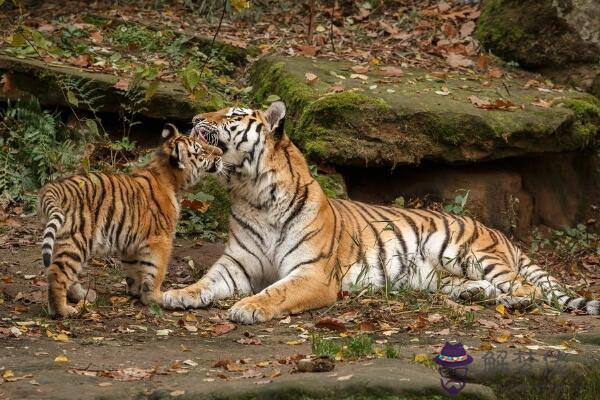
189,158
245,136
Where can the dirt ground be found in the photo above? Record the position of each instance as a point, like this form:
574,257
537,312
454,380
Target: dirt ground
120,349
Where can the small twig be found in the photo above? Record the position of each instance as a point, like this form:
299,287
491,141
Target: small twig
331,26
506,87
212,44
311,21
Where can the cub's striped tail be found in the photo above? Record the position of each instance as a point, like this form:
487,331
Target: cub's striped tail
555,292
56,219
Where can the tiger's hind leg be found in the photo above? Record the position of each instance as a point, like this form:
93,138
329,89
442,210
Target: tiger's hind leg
513,291
62,274
133,276
77,292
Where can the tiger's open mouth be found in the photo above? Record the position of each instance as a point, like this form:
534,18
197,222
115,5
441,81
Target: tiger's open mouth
208,133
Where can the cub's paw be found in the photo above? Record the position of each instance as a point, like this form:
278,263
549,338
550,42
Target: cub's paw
66,312
77,293
134,286
183,298
250,311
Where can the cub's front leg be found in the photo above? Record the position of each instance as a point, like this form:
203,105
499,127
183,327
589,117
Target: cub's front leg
147,268
226,277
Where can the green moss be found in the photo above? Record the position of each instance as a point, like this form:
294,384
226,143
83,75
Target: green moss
219,207
271,78
587,115
335,119
456,129
333,185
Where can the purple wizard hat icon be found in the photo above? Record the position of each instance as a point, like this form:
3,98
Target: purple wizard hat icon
453,355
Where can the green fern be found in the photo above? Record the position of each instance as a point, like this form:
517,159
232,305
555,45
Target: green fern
35,148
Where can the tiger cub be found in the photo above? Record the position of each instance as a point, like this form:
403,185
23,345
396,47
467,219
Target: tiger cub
133,215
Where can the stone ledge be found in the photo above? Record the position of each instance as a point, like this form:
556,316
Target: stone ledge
389,121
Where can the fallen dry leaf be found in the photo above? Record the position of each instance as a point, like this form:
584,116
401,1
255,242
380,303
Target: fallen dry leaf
221,329
467,29
421,358
96,37
310,51
129,374
495,73
311,78
502,338
61,359
483,62
83,60
122,84
296,342
61,337
367,327
360,69
7,84
488,324
359,76
250,341
457,60
500,309
542,103
391,71
433,318
333,324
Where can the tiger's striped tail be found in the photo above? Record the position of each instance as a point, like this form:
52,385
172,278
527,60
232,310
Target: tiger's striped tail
554,291
56,219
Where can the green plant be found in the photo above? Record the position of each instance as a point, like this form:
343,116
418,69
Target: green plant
470,318
390,351
399,202
196,221
357,347
332,184
324,347
568,241
155,310
35,147
458,204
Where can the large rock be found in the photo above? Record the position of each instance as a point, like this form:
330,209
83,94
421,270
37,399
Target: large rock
51,83
404,120
539,33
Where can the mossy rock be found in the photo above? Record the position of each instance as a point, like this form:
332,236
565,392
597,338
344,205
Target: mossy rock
49,84
540,33
389,121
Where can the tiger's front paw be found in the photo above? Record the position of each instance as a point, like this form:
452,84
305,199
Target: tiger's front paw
250,311
183,298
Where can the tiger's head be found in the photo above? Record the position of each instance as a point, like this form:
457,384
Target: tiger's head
245,136
188,158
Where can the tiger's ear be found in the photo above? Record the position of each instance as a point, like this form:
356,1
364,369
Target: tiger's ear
275,116
177,157
169,131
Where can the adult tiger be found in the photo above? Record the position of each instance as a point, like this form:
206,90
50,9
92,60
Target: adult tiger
133,215
294,248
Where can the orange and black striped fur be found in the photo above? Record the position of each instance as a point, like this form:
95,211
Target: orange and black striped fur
133,215
293,249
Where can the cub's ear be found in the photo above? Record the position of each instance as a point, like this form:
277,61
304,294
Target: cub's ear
177,157
169,131
275,116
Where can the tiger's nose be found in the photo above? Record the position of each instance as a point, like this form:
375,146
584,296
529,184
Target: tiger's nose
197,119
